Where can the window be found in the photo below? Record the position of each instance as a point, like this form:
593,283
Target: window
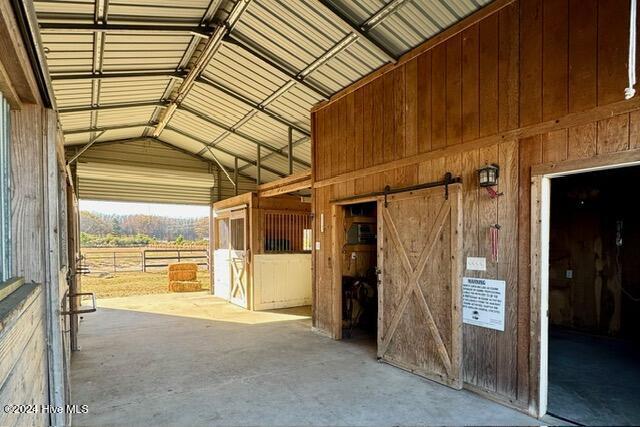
5,190
237,234
287,232
223,234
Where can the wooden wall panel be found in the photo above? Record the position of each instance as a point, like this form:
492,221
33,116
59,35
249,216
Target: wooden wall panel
583,54
453,104
555,53
488,86
470,100
539,70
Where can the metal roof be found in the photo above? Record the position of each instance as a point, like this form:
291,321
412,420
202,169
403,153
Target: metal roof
223,79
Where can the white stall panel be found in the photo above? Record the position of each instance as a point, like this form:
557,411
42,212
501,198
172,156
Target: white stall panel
281,281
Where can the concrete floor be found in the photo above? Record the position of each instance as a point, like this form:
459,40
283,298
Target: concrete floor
192,359
594,380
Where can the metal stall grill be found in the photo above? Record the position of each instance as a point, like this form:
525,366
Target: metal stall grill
287,232
5,185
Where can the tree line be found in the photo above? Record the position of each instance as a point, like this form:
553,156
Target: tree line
138,230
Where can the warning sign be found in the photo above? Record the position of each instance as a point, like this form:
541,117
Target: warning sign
483,302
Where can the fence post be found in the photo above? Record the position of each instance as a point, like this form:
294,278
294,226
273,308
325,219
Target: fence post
144,260
114,262
178,255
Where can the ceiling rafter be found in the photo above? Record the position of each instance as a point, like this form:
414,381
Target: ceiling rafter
148,28
282,151
255,52
117,75
233,130
210,49
83,109
361,32
341,45
252,105
101,128
383,13
224,151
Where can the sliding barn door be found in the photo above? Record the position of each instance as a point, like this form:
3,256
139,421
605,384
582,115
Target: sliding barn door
419,295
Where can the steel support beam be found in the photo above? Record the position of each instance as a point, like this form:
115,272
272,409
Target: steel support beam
210,49
290,151
117,75
224,151
383,13
273,64
281,151
151,28
86,147
111,107
235,173
100,129
252,105
258,168
360,31
233,130
299,77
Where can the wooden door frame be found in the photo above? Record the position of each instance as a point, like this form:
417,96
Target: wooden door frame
337,242
541,177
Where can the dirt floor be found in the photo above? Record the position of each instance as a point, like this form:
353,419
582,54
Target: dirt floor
106,285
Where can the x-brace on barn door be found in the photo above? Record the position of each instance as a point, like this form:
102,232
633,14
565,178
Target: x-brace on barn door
419,294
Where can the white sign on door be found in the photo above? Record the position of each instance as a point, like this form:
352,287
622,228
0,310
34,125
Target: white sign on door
483,302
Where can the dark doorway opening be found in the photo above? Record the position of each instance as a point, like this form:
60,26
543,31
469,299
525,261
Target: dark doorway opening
594,298
359,278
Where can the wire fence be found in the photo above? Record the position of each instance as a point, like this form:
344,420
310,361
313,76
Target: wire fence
141,260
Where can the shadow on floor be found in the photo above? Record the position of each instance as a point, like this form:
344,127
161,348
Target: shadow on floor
593,380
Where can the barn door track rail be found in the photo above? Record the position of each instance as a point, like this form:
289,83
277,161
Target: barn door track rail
448,180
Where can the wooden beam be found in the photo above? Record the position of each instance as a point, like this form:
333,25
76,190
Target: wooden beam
300,176
285,189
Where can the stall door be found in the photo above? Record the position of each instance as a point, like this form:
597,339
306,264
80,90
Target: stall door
419,295
238,259
221,267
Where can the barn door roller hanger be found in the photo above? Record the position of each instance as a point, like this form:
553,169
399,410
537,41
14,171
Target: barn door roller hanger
445,182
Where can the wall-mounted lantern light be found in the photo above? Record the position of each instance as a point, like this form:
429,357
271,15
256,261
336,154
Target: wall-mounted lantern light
488,178
488,175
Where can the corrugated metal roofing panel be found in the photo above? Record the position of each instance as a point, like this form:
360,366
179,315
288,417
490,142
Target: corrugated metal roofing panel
296,36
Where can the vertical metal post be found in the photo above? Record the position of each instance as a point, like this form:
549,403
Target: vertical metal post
235,173
258,180
290,151
219,182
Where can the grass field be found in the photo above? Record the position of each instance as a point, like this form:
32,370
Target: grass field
128,284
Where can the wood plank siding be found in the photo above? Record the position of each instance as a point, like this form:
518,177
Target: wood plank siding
534,82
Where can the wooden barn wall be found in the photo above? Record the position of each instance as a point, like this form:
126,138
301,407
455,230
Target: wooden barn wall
535,82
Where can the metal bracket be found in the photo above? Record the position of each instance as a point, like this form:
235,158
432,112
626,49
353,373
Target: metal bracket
386,193
87,310
448,179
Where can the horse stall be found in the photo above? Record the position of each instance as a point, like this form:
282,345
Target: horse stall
261,251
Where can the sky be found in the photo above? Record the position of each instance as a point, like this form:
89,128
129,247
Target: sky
130,208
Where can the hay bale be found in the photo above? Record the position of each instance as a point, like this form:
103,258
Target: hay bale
184,286
189,266
182,275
